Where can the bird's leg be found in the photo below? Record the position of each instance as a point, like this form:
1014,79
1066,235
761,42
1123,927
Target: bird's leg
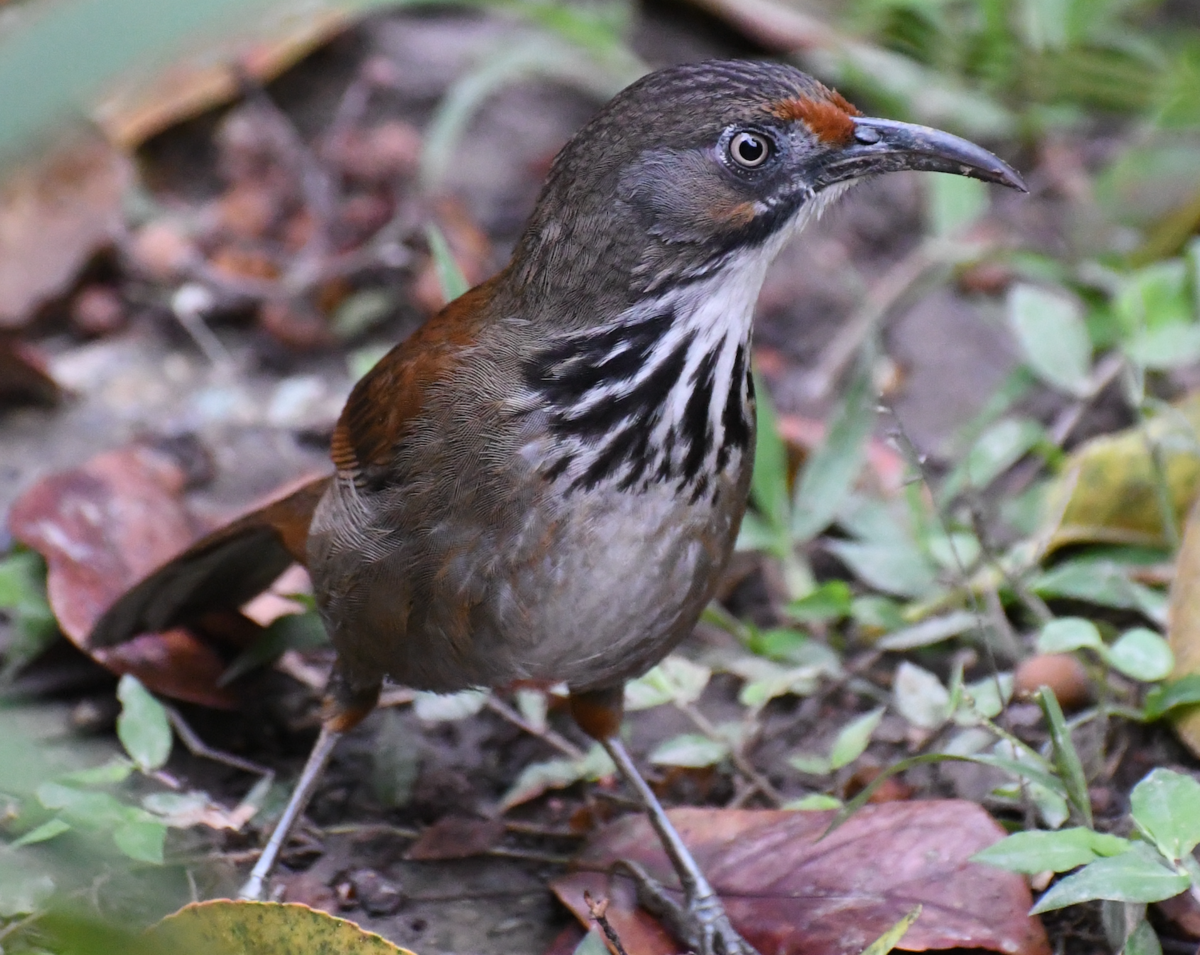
313,770
345,708
701,923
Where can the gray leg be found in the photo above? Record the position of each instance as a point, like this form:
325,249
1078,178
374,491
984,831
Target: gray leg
702,924
253,889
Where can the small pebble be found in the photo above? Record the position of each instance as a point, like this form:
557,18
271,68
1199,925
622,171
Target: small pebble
1061,672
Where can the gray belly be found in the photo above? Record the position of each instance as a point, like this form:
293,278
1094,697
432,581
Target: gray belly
590,587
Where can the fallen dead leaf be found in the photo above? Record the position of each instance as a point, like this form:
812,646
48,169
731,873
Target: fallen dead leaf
126,587
792,893
223,569
265,46
264,928
100,528
1108,492
56,212
1183,625
456,837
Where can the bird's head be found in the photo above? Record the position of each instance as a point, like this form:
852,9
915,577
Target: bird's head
694,164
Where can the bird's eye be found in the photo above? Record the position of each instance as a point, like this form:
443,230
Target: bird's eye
749,150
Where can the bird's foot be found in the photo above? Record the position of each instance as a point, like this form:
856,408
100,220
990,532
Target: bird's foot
700,922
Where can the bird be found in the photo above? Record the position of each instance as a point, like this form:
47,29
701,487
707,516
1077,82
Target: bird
544,483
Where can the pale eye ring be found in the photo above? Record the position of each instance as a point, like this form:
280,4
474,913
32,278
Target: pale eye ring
749,150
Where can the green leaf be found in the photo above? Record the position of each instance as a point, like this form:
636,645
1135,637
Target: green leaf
675,680
1050,329
448,707
1166,806
690,750
1142,941
1154,309
303,631
362,311
1102,582
830,601
810,763
450,276
23,892
920,697
930,631
769,483
853,738
23,598
142,840
116,770
984,699
536,778
891,938
829,474
1066,758
1182,692
954,203
814,802
1142,654
43,833
1001,446
1138,875
1061,851
591,944
779,643
893,567
143,726
877,613
1067,634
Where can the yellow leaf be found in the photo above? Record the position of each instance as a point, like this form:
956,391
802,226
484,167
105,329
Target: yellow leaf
225,927
1108,492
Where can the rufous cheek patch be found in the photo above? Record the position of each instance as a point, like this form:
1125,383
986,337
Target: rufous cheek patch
830,118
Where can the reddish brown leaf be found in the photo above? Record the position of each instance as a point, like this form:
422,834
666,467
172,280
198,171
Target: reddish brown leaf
223,569
456,837
123,580
101,528
55,214
792,895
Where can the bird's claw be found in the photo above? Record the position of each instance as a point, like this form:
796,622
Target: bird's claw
700,923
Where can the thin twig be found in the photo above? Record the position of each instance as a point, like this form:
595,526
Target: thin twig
744,766
197,747
895,283
598,911
544,733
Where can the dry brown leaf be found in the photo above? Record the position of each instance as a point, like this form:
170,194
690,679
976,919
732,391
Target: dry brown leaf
1183,625
223,569
56,212
1109,491
127,588
455,837
791,894
148,104
101,528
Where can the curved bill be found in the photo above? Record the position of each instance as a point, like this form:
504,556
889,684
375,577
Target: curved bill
884,145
